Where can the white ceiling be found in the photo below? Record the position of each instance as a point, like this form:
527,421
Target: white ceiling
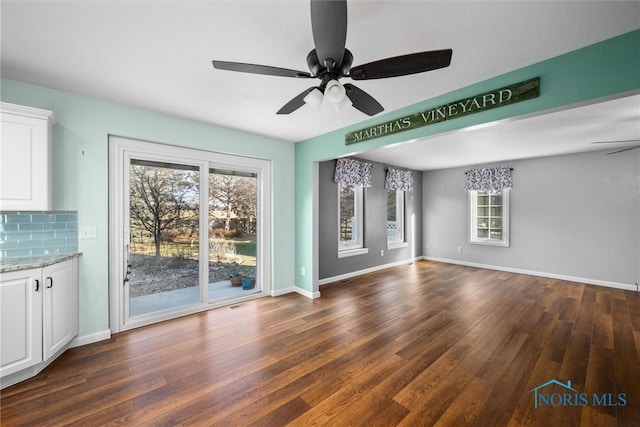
585,128
157,55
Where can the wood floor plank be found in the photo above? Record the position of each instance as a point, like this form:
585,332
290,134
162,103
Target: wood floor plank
421,344
464,410
603,322
626,369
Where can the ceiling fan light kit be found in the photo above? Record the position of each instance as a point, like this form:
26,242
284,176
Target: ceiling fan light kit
313,98
334,92
330,61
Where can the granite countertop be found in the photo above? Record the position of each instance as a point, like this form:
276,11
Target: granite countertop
28,262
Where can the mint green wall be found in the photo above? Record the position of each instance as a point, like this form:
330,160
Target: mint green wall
600,70
80,177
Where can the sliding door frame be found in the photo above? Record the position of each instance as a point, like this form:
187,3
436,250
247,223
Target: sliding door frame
121,150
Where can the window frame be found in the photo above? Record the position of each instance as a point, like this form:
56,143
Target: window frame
354,246
473,220
400,241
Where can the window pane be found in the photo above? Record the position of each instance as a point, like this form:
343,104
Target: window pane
233,215
392,216
164,220
348,230
391,206
489,218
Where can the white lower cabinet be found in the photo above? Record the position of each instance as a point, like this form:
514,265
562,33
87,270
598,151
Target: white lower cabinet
39,318
21,297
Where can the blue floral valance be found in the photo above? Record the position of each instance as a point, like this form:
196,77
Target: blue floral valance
398,180
353,173
490,180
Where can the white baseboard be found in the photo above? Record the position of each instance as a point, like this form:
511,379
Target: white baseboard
345,276
91,338
624,286
308,294
284,291
294,289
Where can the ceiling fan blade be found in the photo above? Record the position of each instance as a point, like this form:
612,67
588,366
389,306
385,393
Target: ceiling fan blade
295,103
403,65
329,26
259,69
362,100
624,141
625,149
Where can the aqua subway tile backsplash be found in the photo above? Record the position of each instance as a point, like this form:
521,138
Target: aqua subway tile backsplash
38,233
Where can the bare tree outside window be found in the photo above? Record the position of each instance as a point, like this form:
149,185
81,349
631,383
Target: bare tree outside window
233,200
161,199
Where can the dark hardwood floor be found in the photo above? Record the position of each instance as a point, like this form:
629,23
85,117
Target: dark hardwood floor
423,344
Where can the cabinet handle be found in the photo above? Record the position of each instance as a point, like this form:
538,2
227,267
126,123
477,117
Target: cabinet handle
50,279
37,285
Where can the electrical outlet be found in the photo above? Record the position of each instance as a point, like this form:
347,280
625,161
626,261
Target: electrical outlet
459,249
381,252
303,271
88,232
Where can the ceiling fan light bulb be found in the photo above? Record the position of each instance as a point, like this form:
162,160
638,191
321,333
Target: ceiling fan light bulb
313,98
334,91
343,104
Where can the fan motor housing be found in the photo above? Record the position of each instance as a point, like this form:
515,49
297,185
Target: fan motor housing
319,70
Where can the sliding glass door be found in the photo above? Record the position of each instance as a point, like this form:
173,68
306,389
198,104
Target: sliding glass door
233,237
164,224
187,231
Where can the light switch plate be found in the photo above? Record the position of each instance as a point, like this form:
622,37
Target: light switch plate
88,232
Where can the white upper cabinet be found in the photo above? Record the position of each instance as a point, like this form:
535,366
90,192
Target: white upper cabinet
25,158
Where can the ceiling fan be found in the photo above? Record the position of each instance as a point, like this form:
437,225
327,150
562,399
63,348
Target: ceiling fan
627,141
330,61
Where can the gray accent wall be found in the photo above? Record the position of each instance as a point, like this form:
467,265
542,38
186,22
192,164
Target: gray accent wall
375,223
574,215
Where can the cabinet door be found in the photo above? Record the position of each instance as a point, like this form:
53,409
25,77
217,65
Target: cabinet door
60,324
21,320
25,172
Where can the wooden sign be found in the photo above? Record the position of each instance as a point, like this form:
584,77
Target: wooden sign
475,104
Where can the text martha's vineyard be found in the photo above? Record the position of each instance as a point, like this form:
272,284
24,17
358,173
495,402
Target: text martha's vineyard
486,101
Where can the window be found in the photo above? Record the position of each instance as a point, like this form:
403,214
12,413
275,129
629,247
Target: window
395,219
351,220
489,214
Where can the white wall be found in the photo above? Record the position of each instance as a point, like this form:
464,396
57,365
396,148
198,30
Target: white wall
574,215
